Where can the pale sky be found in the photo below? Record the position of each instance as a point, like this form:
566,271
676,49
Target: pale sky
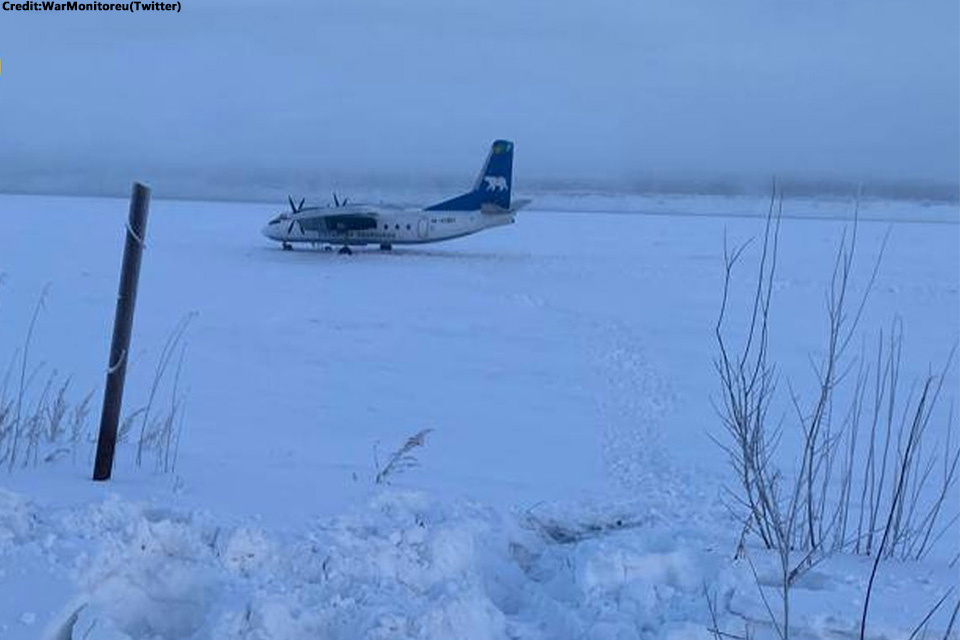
618,91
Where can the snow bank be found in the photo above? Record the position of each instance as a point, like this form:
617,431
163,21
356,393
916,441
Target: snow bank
403,566
408,566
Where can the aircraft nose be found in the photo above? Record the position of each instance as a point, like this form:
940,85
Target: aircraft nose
268,231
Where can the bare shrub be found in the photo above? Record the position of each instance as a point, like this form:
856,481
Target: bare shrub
38,422
714,629
18,420
402,459
813,513
748,382
160,432
78,428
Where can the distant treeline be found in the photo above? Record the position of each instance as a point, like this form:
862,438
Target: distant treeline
272,184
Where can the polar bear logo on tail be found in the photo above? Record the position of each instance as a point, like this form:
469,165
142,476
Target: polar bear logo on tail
495,183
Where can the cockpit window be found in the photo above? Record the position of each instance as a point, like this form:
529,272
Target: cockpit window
280,218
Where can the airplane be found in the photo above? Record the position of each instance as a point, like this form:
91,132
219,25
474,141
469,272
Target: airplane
485,206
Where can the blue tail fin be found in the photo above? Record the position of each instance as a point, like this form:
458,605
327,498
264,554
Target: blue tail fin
493,185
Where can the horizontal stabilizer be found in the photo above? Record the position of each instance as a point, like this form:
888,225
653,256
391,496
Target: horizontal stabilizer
519,204
493,209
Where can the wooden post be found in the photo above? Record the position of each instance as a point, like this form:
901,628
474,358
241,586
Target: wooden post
122,326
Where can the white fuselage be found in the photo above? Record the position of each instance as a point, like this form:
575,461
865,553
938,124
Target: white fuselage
392,226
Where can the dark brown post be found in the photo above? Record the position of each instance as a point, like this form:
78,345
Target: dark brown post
122,325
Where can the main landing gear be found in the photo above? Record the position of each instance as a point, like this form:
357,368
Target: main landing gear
386,246
345,250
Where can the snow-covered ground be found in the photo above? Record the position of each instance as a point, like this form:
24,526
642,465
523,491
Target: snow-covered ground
563,363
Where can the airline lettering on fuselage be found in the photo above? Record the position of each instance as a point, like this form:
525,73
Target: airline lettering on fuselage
495,183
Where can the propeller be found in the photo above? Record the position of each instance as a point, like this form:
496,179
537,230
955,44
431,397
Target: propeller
294,222
337,202
295,208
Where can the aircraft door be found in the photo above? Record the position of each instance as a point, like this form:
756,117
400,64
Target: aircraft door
423,228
